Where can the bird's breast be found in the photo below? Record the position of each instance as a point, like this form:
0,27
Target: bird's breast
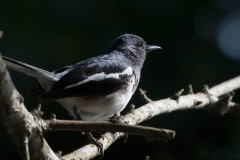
100,107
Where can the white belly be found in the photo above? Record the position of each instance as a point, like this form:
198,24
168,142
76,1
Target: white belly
98,108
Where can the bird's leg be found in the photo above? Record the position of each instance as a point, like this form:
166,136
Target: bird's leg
89,134
96,142
115,118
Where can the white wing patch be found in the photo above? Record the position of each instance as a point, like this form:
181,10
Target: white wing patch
103,76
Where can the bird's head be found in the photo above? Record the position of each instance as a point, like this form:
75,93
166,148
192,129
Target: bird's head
132,46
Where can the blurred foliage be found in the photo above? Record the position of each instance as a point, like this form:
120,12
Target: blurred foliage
54,33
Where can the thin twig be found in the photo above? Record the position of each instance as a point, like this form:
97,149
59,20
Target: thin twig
26,149
144,96
149,133
190,89
177,95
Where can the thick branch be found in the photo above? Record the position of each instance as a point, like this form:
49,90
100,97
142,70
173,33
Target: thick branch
19,123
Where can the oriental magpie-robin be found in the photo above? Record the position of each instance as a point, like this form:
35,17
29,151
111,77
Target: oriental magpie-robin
96,88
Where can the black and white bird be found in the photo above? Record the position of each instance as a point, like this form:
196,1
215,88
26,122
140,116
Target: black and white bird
96,88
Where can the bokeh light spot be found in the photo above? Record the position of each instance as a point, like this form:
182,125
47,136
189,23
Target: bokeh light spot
228,36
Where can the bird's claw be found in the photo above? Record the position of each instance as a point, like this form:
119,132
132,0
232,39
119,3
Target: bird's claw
97,143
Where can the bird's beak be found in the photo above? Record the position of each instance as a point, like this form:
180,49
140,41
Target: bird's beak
152,48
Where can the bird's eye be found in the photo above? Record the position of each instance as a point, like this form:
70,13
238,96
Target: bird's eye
139,44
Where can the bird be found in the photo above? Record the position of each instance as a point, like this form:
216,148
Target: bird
96,88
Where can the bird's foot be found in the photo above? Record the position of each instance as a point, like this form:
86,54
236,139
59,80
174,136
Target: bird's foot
116,118
97,143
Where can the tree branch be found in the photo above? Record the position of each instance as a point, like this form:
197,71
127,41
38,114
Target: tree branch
225,87
23,127
190,101
149,133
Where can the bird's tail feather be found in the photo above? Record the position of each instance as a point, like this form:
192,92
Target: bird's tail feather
36,72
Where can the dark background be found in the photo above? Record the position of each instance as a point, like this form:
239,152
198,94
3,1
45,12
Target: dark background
201,45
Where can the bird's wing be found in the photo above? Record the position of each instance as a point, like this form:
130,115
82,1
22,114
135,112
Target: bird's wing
91,78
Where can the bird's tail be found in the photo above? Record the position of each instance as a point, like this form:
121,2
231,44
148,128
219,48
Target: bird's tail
40,74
